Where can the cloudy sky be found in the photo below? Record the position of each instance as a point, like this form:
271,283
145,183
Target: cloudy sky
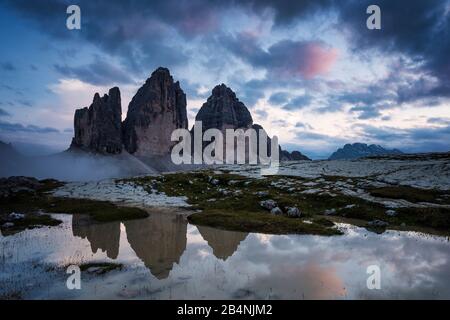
309,71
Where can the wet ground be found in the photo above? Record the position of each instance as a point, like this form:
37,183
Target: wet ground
165,257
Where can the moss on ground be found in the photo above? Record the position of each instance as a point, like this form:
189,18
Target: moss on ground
410,194
31,204
100,211
260,222
231,201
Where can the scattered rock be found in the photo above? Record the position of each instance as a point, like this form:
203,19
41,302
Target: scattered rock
16,216
12,185
268,204
391,213
293,212
8,225
262,194
329,212
378,223
214,182
276,211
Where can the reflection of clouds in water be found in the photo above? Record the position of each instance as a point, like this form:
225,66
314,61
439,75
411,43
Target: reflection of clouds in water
408,262
191,262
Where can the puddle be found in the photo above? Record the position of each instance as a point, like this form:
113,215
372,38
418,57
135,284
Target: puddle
164,257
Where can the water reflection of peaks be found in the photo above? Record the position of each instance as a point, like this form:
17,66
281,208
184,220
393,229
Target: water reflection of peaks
224,243
159,241
103,236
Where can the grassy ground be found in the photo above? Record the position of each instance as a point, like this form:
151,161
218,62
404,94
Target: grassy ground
231,202
410,194
32,204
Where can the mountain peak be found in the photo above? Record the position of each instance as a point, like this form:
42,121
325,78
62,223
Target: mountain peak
361,150
224,110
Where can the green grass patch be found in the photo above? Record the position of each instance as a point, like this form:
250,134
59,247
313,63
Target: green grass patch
101,211
31,203
231,202
259,222
407,193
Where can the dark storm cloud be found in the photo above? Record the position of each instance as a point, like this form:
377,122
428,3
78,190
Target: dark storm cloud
365,112
98,73
137,32
285,58
251,91
418,139
418,29
262,114
7,66
297,103
25,103
17,127
279,98
287,11
3,113
439,121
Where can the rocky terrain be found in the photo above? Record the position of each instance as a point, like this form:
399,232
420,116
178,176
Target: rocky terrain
223,110
361,150
376,193
98,128
157,109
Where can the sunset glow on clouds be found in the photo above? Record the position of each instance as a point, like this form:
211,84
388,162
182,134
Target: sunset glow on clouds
309,71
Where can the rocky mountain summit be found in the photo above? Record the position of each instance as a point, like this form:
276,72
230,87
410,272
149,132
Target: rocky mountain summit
98,128
361,150
156,110
223,110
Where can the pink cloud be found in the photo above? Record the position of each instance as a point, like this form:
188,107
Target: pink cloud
305,59
316,59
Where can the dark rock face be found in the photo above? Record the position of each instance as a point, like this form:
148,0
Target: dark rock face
292,156
98,128
361,150
223,110
12,185
158,108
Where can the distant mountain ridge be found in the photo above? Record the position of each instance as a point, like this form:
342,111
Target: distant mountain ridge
362,150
